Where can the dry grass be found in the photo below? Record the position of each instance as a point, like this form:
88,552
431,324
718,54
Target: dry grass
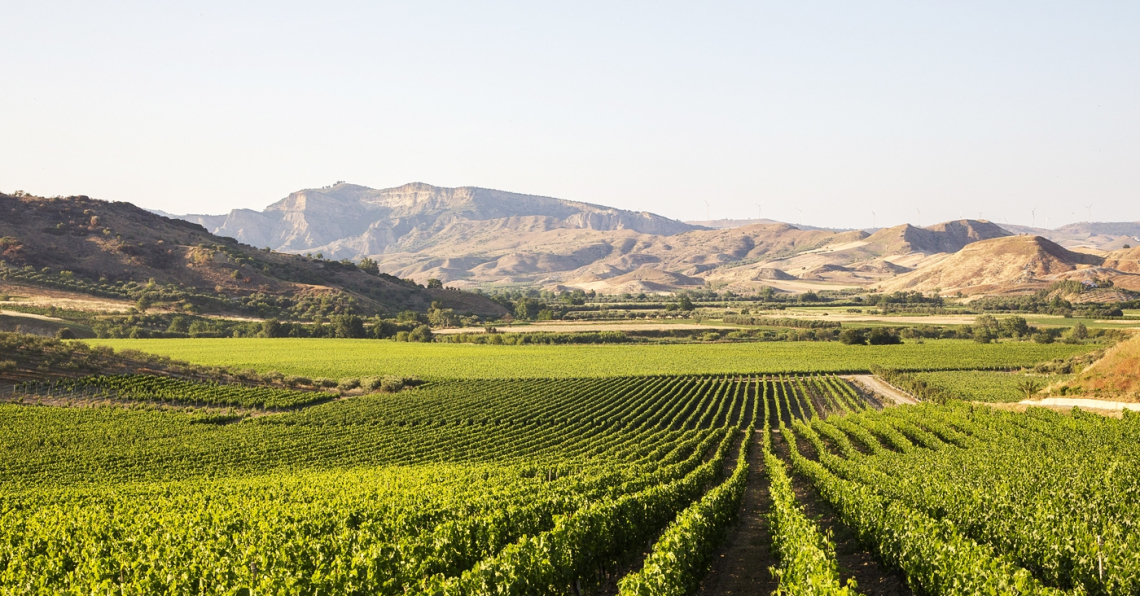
1116,375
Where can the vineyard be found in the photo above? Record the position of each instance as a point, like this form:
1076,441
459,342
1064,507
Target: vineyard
166,390
624,485
988,386
340,358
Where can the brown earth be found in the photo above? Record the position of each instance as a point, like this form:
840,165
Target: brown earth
1005,265
1116,376
740,565
855,562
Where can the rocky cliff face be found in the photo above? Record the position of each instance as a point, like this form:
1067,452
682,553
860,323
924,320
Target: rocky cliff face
351,221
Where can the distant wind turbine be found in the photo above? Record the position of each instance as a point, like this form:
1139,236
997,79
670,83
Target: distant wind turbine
800,217
873,220
919,221
1089,207
1033,212
758,210
707,211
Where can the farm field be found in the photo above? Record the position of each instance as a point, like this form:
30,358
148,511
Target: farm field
986,386
381,495
349,357
556,486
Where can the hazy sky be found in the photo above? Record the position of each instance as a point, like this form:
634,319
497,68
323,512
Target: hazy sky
919,111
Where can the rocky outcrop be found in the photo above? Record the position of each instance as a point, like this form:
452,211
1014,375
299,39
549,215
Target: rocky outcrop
352,221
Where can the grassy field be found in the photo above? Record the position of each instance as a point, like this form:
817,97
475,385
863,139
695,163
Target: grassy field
340,358
986,386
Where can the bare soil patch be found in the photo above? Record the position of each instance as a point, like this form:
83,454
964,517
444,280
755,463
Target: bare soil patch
855,561
741,564
885,389
47,297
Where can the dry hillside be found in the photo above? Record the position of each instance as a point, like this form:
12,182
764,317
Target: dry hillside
115,250
1000,265
1115,376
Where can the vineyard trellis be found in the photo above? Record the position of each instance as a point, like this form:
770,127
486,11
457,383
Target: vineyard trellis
525,486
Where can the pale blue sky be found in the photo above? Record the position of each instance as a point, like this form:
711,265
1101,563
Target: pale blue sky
919,111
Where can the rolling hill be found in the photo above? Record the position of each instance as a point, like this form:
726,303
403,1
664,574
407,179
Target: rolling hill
117,251
1096,235
1009,265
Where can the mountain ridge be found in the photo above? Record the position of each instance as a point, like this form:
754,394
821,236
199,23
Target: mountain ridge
468,236
471,237
351,221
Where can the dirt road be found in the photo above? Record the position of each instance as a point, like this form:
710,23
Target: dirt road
882,388
1095,404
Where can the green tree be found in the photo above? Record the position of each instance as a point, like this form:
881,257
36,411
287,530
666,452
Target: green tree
882,336
442,317
347,326
421,334
367,265
685,303
1014,327
852,336
434,284
411,316
1079,332
527,308
986,329
270,328
179,325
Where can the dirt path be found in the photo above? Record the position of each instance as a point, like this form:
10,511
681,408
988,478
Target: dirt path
741,564
855,562
1095,404
883,388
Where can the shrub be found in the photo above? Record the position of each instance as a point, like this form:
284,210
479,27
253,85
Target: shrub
391,384
853,336
421,334
882,336
295,381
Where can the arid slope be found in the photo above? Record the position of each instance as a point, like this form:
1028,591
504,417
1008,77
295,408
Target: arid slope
104,244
